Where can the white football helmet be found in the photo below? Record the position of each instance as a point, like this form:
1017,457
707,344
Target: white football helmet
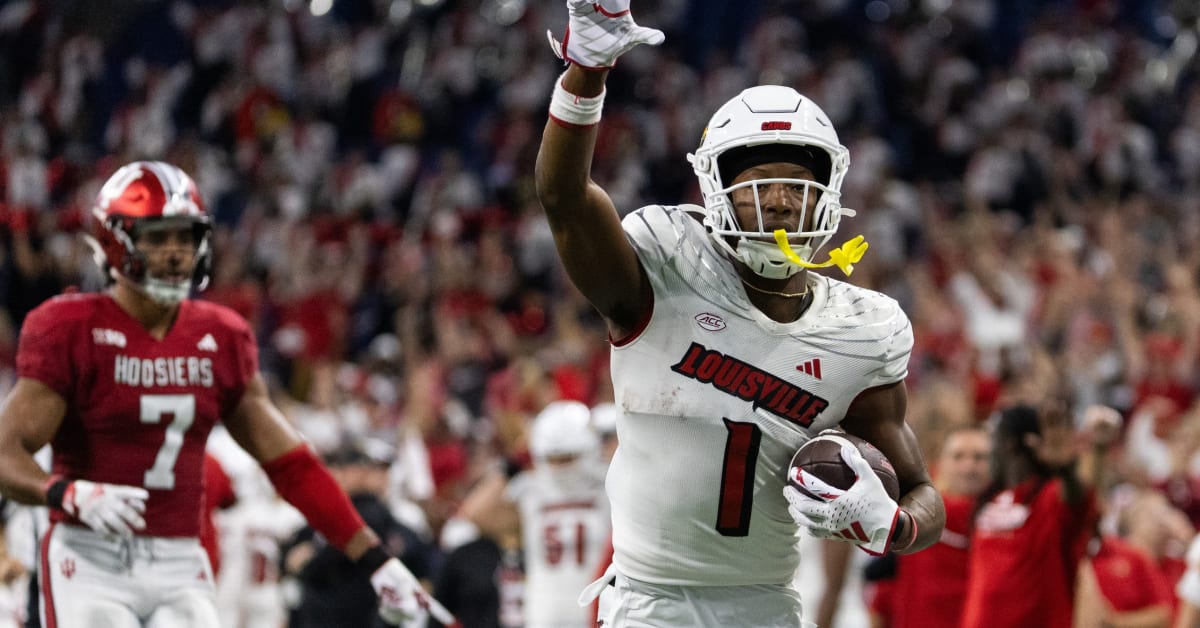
563,428
604,418
763,124
138,197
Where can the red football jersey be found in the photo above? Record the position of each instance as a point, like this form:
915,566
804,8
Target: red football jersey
139,410
1023,558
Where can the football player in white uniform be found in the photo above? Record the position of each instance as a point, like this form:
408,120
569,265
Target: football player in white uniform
727,353
565,520
560,511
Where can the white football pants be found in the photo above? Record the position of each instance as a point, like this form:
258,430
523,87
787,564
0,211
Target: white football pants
635,604
97,581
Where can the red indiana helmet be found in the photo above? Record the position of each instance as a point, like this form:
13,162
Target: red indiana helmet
141,196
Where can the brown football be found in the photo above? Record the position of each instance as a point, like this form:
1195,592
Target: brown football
822,456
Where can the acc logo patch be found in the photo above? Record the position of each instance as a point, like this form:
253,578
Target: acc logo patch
711,322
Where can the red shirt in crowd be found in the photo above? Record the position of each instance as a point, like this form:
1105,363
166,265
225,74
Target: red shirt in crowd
1024,554
1129,578
931,585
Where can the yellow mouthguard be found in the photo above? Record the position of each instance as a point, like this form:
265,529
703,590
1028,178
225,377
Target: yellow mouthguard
844,257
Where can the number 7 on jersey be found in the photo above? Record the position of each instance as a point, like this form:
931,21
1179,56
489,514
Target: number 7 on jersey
182,410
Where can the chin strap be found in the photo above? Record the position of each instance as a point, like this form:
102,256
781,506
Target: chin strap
844,257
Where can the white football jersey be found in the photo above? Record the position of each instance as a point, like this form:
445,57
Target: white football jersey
564,533
1188,587
714,399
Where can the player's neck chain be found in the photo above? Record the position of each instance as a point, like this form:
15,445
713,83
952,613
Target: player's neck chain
788,295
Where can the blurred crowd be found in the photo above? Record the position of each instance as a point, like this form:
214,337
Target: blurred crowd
1027,173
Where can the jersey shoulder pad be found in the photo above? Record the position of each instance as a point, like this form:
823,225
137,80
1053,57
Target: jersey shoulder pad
659,231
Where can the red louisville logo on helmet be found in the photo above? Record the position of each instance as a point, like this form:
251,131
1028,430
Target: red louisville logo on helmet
780,125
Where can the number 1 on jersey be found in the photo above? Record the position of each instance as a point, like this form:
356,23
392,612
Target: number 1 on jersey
737,478
182,410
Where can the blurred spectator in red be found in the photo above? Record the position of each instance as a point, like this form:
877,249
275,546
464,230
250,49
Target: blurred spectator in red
927,589
1128,578
1150,523
1034,520
1161,450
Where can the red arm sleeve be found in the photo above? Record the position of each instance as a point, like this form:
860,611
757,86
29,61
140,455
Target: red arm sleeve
301,479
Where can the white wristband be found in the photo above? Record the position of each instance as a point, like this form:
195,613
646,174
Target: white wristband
575,110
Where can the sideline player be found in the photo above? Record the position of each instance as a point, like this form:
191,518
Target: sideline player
559,510
126,385
726,353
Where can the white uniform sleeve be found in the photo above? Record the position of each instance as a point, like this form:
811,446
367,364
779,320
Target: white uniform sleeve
517,487
896,347
1188,588
655,232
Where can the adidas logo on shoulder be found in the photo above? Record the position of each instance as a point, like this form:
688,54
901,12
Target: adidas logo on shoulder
207,343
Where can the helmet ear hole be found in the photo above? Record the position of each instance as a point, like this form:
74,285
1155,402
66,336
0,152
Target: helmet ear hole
203,268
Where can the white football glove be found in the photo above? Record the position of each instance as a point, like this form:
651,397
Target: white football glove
402,600
106,508
600,31
863,514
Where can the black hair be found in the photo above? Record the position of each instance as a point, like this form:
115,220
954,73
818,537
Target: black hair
737,160
1010,430
1017,421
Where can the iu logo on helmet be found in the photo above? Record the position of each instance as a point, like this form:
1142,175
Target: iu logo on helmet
67,567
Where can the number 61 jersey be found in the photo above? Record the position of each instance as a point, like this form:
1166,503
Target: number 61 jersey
139,409
714,399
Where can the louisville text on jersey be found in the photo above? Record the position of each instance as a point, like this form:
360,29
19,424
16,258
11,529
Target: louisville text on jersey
744,381
177,371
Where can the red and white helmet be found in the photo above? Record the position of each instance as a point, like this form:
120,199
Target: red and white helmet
139,196
765,124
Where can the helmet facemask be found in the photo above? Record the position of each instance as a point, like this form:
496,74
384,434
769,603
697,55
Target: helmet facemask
571,473
564,447
768,124
167,291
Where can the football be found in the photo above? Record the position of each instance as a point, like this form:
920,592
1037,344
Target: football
822,457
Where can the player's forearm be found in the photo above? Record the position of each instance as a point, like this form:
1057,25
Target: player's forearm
1080,478
564,159
927,513
21,478
303,481
1091,466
